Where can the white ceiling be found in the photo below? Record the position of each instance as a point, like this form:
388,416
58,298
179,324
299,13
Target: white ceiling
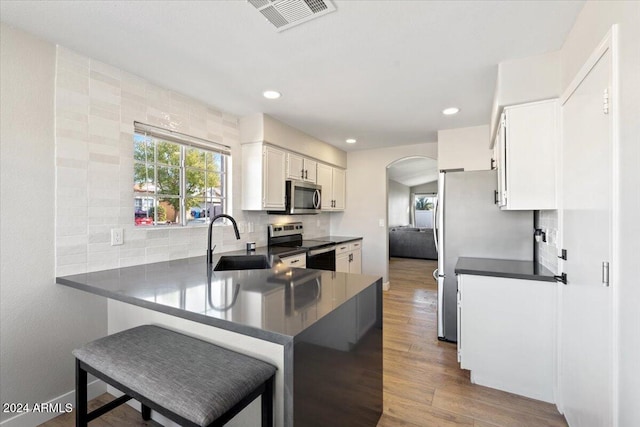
413,171
378,71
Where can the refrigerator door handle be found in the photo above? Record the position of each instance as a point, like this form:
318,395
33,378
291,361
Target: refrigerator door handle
435,227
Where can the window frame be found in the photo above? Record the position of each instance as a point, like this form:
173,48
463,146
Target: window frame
415,196
219,154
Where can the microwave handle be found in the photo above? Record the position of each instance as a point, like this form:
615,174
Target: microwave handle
316,199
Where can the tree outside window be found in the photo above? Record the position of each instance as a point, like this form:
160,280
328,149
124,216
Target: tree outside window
176,184
423,210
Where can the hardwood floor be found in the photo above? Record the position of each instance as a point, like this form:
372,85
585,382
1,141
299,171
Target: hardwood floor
123,415
423,385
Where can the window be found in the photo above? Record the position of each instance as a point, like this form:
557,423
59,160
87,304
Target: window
177,179
423,209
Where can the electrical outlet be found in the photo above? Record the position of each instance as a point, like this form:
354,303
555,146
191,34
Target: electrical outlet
117,236
381,222
241,227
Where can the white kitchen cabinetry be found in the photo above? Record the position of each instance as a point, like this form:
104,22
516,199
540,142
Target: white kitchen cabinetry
349,257
301,168
333,183
506,334
263,177
525,152
298,261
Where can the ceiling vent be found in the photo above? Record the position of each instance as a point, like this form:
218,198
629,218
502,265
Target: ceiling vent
284,14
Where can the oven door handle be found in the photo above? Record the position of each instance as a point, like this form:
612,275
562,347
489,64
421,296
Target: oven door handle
315,252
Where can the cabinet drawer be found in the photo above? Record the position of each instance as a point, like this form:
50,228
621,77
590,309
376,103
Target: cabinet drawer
355,245
299,260
342,248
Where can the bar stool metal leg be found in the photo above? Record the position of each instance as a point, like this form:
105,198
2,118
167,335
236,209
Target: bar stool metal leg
81,396
146,412
267,404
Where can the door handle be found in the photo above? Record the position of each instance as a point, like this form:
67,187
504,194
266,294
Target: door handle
605,274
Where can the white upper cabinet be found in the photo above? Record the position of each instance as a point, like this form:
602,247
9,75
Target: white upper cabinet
263,177
333,184
525,153
301,168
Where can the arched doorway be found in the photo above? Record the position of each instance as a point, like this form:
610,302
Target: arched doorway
412,186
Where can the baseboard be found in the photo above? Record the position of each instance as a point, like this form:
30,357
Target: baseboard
386,286
30,419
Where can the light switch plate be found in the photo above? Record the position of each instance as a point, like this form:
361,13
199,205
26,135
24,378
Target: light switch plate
117,236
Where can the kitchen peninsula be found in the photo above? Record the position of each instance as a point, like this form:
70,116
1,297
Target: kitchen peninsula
322,329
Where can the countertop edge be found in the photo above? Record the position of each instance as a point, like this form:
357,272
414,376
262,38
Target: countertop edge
273,337
338,239
505,275
504,268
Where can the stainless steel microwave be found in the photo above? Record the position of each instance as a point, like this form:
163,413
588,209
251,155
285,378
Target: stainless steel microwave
301,198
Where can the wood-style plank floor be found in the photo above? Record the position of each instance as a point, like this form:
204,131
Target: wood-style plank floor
423,385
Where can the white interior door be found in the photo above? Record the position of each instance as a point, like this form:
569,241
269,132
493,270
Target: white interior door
586,327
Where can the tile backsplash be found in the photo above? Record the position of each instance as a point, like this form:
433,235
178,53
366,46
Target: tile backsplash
96,105
547,252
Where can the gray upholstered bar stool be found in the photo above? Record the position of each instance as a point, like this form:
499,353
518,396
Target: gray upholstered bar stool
189,381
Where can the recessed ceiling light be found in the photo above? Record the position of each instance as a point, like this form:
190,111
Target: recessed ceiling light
351,141
271,94
450,111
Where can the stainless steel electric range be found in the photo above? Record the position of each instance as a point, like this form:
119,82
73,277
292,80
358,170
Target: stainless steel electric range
321,254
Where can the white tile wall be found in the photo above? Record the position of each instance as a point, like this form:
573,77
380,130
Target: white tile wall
96,105
548,251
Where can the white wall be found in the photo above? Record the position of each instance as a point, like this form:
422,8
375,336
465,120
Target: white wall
261,127
399,202
429,187
41,322
466,148
96,106
590,28
529,79
367,193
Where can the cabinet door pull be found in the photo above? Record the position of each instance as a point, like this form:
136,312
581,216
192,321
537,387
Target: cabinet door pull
306,174
302,174
605,274
495,197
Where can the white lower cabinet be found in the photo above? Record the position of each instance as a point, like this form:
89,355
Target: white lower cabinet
349,257
506,334
299,261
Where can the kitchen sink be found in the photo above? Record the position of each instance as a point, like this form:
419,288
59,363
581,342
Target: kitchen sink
242,262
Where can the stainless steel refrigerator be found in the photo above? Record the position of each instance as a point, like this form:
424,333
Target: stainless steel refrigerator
470,224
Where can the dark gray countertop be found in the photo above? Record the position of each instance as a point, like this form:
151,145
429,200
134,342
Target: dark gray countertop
265,304
527,270
338,239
